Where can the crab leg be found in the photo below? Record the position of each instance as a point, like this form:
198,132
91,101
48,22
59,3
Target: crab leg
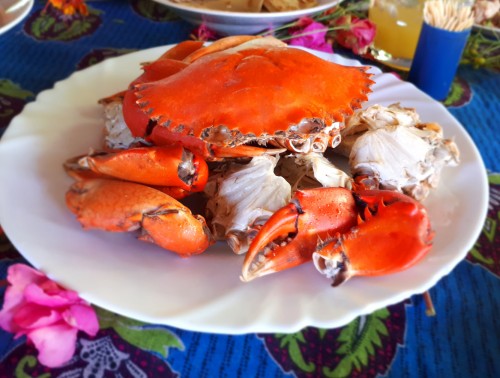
119,206
290,236
393,233
221,45
182,50
170,166
161,136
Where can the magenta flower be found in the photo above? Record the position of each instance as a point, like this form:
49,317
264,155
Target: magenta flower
203,33
358,36
311,34
49,315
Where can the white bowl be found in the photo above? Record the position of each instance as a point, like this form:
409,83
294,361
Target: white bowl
237,23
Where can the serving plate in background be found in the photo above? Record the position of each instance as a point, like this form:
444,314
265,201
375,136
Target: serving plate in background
12,12
238,23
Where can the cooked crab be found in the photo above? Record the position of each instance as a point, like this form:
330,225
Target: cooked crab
237,99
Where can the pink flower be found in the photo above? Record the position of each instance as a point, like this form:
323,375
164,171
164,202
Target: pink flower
311,34
49,315
358,37
203,33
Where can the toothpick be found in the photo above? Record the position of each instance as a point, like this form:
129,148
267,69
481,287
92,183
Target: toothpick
429,306
448,14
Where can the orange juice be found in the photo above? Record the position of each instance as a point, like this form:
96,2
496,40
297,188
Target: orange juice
398,26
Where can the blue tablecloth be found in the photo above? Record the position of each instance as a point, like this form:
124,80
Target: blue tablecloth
462,340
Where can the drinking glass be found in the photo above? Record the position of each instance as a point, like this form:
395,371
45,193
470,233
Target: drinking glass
398,28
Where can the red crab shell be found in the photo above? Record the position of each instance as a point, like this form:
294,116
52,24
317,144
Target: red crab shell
259,90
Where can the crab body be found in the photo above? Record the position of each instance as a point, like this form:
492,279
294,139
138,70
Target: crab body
238,91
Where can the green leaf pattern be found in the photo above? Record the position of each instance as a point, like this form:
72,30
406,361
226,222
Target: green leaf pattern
359,340
8,88
149,338
64,30
455,94
156,11
27,362
292,342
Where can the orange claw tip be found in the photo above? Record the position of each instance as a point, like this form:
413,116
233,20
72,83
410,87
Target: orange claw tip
161,228
116,97
158,70
219,45
261,259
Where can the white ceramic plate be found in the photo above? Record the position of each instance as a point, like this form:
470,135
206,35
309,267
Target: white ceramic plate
235,23
12,12
203,293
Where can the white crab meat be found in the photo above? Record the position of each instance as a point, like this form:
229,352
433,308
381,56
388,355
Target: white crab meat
398,151
374,117
242,198
312,170
117,134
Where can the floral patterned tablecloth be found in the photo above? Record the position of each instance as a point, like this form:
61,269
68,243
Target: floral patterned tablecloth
461,340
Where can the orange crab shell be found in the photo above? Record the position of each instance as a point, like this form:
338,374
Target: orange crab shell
232,96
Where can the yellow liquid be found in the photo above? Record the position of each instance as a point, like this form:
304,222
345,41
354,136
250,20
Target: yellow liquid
398,28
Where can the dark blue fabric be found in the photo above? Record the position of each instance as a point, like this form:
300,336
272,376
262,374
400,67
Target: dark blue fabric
481,118
462,340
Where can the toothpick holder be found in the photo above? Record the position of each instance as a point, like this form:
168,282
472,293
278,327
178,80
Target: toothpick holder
436,60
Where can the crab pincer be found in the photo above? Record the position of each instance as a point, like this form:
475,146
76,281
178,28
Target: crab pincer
291,234
393,233
345,233
120,206
173,169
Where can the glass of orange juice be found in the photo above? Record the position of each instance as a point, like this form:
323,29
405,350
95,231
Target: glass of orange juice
398,28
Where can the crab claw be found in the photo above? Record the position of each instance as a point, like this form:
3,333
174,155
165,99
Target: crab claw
120,206
393,233
167,166
291,234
